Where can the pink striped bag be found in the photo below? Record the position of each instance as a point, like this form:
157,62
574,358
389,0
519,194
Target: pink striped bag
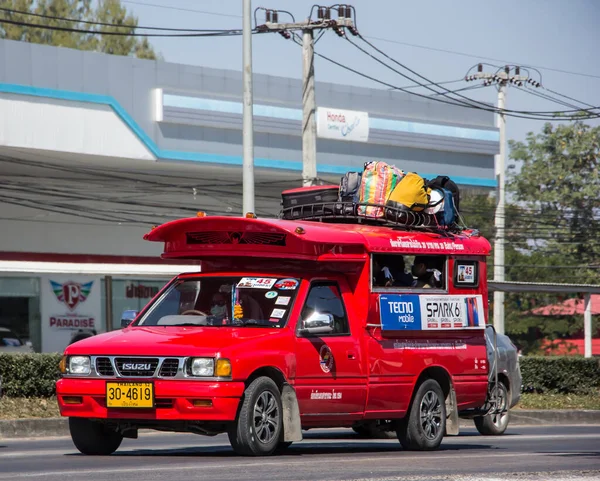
377,183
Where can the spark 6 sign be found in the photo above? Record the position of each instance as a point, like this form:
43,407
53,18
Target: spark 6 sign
342,124
421,313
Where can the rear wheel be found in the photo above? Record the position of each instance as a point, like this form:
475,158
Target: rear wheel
93,438
495,424
424,426
257,429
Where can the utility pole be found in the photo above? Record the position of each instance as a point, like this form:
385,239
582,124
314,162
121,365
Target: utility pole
309,110
309,106
502,78
247,126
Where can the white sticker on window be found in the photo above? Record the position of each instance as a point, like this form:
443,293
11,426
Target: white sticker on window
283,301
278,313
256,282
466,274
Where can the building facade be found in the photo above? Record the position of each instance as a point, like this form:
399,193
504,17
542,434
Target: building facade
95,149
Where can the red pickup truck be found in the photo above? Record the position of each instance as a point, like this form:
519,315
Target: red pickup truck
292,325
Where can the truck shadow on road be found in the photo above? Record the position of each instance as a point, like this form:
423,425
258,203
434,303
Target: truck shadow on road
300,449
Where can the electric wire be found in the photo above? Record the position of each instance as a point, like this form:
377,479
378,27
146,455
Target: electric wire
181,9
467,99
454,52
396,87
104,24
224,33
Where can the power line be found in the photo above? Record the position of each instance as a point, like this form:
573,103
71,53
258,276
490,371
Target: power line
381,52
463,54
181,9
396,87
223,33
469,87
547,97
104,24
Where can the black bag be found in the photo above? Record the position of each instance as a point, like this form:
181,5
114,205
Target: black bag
309,201
349,186
444,182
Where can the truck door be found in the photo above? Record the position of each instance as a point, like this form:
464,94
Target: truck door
329,371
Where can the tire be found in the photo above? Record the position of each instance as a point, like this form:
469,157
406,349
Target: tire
425,424
93,438
259,424
495,424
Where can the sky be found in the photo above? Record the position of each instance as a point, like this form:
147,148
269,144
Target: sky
559,37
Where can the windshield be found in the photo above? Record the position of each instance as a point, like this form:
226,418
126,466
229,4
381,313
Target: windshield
224,301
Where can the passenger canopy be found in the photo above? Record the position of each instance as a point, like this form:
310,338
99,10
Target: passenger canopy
226,237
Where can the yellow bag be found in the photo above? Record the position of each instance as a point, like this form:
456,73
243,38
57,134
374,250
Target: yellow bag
411,192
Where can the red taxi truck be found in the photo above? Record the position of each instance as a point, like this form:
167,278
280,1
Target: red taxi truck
292,325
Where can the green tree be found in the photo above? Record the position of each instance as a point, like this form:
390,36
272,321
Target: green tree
105,11
558,186
523,262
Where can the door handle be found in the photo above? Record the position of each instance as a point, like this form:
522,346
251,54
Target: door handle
351,355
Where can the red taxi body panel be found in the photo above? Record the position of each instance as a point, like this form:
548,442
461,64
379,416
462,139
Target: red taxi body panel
367,373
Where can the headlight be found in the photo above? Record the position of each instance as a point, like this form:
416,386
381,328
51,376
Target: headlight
203,366
80,365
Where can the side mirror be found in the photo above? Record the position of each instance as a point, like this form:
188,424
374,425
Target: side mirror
318,323
127,317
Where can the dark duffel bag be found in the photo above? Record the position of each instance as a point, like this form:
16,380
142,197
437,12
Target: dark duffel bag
349,186
309,201
445,182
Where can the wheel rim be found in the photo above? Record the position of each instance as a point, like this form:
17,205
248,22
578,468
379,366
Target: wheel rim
431,415
500,418
266,417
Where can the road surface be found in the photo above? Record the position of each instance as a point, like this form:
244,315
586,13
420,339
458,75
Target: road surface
522,454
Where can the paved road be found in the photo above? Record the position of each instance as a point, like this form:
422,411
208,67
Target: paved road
523,454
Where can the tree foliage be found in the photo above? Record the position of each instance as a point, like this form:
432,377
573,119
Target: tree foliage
552,226
559,185
103,11
555,188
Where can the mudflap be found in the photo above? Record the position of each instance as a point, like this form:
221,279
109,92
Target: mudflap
292,428
452,427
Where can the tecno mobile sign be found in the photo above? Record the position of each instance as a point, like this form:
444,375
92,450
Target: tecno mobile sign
68,305
342,124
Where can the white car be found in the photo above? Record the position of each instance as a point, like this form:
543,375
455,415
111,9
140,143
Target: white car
10,342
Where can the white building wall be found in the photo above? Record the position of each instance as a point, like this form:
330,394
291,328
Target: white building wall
67,126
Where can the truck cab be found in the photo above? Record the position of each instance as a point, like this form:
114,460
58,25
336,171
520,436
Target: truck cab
292,325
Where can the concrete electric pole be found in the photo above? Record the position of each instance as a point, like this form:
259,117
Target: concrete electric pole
309,106
502,78
247,126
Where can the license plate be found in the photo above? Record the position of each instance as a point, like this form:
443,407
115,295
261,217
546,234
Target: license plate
129,395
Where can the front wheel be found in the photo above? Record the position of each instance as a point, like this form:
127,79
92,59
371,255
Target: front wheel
424,426
257,429
93,438
495,424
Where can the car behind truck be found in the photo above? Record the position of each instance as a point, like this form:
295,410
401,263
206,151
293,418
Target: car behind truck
293,325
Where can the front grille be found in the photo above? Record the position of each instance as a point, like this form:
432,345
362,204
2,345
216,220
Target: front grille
137,366
104,367
169,368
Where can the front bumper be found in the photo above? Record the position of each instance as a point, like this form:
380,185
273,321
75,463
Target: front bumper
173,400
